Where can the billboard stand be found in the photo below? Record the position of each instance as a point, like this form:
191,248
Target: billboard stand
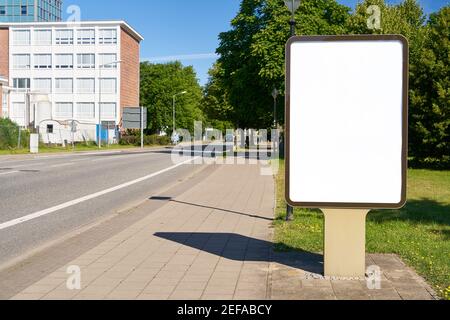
345,242
346,136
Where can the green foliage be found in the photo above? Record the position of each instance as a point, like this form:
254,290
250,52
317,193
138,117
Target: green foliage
215,106
252,53
149,140
159,83
429,75
430,96
253,56
9,135
419,233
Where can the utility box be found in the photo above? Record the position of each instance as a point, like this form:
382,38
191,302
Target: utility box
34,143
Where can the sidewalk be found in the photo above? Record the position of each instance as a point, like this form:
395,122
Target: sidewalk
214,242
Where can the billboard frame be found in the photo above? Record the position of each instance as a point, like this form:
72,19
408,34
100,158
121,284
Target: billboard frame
405,108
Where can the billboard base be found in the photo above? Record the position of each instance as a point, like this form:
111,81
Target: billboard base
345,242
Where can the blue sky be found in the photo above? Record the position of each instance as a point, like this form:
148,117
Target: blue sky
184,30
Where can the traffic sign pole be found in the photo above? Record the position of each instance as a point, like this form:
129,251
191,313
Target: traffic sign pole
142,128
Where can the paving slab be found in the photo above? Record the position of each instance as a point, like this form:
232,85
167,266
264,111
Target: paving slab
213,241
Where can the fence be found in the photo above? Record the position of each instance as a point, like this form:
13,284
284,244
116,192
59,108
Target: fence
13,138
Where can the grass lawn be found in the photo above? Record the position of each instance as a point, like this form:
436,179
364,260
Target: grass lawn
418,233
78,148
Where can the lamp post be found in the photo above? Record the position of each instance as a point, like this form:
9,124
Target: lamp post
275,93
99,138
174,100
292,6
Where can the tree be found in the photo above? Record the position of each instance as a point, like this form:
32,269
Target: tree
252,53
430,96
252,59
159,83
429,74
215,106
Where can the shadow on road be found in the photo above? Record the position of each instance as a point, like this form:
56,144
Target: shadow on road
241,248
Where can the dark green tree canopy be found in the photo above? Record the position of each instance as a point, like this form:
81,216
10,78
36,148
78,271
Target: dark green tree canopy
252,59
252,53
159,83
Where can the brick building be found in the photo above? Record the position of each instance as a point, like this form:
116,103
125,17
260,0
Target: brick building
87,73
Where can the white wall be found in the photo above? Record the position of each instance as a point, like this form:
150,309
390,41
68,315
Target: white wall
71,73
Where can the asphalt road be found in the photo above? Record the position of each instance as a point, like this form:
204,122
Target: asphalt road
45,197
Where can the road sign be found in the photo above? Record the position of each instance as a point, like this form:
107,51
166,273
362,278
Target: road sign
73,126
131,118
347,101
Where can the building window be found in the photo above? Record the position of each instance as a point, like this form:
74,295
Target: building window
18,113
21,61
108,85
43,37
85,110
2,11
64,37
23,10
21,37
42,61
86,36
108,111
50,128
86,85
108,36
64,85
43,85
86,61
107,59
64,61
64,110
21,83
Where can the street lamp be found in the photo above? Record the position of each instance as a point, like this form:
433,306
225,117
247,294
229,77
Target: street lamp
275,93
292,6
173,105
99,138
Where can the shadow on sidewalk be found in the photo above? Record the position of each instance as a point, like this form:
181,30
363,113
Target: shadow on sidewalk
241,248
169,199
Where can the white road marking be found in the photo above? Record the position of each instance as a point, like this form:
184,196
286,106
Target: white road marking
59,156
62,165
88,197
128,156
10,172
28,165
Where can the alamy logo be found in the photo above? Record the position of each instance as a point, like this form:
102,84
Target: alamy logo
374,20
74,280
74,13
373,278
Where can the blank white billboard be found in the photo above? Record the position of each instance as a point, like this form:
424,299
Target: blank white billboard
347,121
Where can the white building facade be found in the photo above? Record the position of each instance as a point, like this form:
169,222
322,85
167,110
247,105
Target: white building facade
68,78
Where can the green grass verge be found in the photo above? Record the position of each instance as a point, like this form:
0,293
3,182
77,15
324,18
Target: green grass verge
419,233
78,148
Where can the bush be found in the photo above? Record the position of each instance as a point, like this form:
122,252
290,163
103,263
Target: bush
128,140
152,140
9,135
